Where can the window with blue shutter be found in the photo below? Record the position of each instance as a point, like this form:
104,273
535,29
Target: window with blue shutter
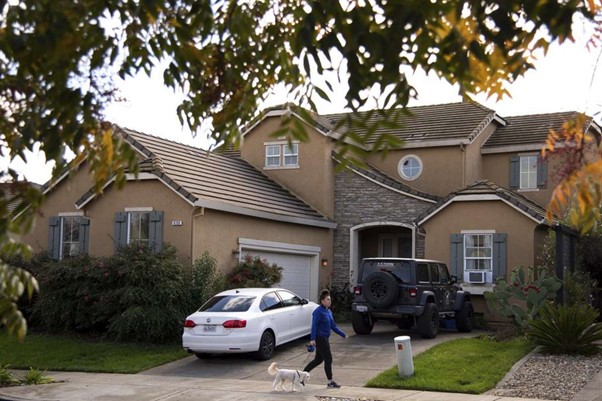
68,236
528,172
139,227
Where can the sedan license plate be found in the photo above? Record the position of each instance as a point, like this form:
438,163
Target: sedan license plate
209,328
361,308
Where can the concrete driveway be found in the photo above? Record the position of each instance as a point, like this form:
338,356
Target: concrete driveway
356,359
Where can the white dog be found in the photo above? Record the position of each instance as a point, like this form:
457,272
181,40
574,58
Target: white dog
297,378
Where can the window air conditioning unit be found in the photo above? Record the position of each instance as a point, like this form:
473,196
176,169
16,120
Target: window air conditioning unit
476,277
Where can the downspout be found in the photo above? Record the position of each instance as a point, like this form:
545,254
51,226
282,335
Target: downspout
196,212
463,165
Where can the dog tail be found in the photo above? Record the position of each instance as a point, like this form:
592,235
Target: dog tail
273,369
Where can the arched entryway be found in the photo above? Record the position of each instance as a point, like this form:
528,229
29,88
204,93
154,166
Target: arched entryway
380,239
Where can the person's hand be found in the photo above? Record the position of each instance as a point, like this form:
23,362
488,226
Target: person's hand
312,343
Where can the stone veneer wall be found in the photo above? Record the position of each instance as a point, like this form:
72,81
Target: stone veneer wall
359,201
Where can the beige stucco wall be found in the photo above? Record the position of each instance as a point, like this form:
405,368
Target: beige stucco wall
313,180
484,215
218,233
101,211
145,193
441,171
473,170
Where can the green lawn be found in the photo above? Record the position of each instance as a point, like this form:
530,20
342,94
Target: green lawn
72,354
467,365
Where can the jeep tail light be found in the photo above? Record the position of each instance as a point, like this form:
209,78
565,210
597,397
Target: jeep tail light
234,324
189,323
413,292
357,290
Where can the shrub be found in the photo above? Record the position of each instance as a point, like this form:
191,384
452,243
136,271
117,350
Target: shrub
205,281
342,297
524,296
579,288
254,272
150,298
34,376
566,329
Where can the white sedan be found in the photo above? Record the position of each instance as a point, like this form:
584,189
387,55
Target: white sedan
247,320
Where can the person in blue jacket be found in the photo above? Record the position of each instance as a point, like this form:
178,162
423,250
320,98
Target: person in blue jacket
321,324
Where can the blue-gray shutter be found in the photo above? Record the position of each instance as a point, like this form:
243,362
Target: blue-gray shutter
499,256
84,235
542,172
120,230
457,255
54,237
514,172
156,230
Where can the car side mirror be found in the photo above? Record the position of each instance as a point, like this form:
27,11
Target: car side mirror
304,301
453,279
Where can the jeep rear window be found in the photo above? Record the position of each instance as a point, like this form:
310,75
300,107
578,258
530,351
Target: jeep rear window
400,269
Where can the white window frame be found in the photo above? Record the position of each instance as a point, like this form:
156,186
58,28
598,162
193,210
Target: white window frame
402,173
527,172
74,245
485,258
129,226
270,158
286,156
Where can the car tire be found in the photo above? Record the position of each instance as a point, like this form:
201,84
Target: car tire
428,322
465,317
380,289
361,323
267,344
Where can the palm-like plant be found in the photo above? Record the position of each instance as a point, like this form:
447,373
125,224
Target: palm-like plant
563,329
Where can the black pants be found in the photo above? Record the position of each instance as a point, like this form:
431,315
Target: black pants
322,355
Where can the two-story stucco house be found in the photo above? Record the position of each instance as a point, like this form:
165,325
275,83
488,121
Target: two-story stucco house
467,187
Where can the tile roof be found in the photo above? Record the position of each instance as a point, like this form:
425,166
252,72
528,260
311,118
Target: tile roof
443,122
485,187
204,177
528,129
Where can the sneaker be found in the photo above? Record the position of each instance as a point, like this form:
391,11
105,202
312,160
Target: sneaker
333,384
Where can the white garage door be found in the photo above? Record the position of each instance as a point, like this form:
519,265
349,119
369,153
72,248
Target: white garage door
295,270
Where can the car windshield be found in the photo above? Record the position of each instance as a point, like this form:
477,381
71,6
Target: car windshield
401,269
228,303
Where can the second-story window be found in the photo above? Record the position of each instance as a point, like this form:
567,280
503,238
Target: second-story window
281,155
528,172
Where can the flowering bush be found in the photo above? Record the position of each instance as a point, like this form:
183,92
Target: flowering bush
254,272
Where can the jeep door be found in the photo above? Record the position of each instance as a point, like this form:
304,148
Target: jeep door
446,293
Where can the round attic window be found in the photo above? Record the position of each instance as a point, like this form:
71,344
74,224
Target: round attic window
410,167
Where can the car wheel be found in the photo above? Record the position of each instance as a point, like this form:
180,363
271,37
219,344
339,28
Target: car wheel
361,323
202,355
380,289
266,346
465,317
428,322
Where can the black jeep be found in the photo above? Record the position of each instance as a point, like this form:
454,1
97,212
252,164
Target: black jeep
411,293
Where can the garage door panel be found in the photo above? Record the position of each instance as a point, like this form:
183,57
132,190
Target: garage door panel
295,270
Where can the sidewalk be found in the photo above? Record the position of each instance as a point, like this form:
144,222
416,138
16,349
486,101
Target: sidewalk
94,386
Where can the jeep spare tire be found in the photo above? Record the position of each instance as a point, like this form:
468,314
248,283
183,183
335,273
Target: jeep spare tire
380,289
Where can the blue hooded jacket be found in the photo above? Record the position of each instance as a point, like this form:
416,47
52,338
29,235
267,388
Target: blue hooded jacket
322,322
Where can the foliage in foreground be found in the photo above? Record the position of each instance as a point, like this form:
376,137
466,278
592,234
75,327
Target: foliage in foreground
79,354
33,376
467,365
561,329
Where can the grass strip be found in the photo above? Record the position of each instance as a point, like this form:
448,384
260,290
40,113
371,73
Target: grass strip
466,365
66,353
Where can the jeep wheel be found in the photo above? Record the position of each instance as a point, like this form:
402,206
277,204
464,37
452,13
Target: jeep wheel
361,323
465,317
428,322
380,289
